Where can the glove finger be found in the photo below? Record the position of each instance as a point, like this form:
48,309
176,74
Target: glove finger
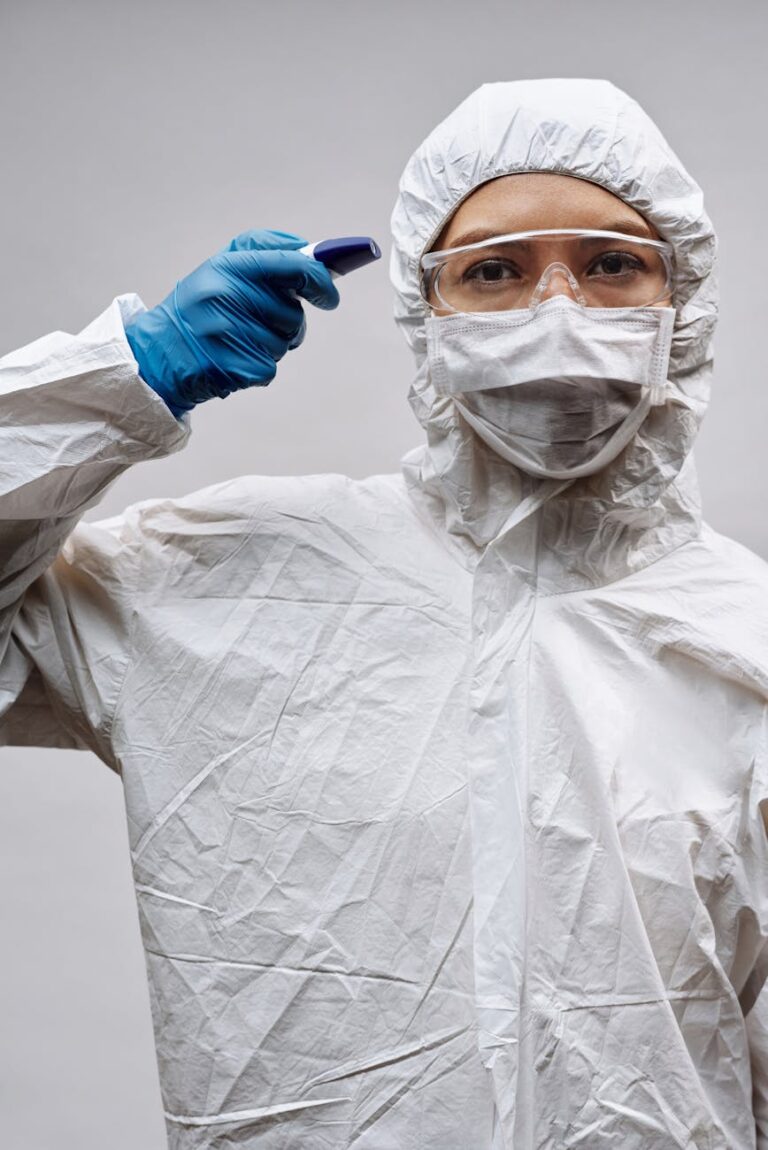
291,271
298,338
262,337
234,299
275,311
262,239
252,363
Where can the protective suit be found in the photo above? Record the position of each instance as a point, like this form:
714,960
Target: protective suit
446,790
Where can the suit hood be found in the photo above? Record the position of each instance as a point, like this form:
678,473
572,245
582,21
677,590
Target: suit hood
646,501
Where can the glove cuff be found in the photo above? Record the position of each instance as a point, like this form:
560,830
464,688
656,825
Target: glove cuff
159,363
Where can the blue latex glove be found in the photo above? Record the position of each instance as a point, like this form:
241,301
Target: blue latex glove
225,326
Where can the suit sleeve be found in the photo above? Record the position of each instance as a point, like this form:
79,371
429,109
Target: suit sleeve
74,414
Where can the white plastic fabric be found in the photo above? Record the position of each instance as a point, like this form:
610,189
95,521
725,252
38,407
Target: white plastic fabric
445,792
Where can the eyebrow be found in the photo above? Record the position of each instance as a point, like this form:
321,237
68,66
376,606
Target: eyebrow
627,227
630,228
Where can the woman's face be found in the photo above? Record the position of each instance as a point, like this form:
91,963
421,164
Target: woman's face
537,201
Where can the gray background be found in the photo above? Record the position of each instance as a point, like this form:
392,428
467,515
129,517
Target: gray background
136,139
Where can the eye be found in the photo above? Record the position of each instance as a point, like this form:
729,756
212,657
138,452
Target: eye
491,271
614,264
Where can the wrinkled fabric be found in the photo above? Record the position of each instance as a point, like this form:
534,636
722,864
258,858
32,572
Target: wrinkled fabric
446,791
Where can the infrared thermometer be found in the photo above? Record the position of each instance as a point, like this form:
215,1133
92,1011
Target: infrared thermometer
345,254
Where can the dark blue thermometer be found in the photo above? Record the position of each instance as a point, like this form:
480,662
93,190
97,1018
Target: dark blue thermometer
345,254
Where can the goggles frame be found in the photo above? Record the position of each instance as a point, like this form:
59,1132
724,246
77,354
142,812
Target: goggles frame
434,259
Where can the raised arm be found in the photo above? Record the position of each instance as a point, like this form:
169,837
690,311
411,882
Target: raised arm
75,411
74,414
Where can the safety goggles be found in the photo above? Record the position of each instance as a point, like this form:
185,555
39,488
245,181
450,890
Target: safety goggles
599,269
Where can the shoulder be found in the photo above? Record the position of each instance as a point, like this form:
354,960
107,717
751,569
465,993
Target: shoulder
251,503
284,536
256,498
707,600
735,557
724,577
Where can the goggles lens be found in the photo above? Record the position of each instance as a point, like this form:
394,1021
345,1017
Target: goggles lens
599,269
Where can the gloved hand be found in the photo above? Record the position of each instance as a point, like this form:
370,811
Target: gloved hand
225,326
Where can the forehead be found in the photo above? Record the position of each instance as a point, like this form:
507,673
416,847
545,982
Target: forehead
533,200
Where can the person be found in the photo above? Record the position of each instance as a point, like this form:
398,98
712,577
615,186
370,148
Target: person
447,791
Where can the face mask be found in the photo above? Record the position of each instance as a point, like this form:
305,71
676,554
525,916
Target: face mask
557,390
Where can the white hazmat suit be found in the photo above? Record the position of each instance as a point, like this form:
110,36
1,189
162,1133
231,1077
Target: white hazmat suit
446,790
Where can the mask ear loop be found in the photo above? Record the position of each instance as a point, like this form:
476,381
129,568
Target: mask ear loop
546,278
660,362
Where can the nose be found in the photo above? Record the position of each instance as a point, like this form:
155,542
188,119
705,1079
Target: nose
557,279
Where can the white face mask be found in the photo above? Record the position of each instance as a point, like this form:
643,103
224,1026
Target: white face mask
557,390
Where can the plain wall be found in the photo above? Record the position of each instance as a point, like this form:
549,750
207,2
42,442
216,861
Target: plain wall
137,139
